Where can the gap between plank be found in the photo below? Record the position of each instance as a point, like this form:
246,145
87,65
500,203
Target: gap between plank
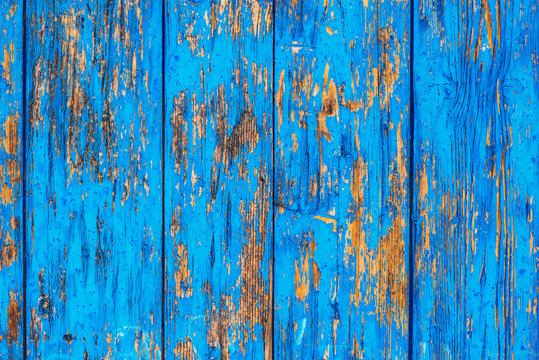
411,183
272,260
163,117
23,161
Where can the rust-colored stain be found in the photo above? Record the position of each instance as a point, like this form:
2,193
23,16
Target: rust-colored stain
14,313
11,131
9,249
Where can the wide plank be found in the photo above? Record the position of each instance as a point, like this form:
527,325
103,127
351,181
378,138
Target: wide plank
341,172
94,179
218,179
476,248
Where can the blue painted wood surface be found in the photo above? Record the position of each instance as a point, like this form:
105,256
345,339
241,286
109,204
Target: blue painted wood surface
341,223
11,249
281,179
94,179
218,179
476,162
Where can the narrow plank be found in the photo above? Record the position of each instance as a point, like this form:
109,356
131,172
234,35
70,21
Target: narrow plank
218,174
94,175
476,152
341,225
11,250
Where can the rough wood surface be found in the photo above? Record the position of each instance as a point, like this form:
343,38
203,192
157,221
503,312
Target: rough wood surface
396,227
476,153
94,179
218,179
11,251
341,163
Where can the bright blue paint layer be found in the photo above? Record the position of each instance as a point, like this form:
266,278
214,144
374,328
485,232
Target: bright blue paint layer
94,179
218,180
341,265
342,163
476,146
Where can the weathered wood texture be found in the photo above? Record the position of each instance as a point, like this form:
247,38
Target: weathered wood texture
218,174
341,157
94,179
11,251
318,97
476,153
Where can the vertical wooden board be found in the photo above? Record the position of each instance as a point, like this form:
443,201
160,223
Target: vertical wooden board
11,250
94,179
476,184
218,174
341,223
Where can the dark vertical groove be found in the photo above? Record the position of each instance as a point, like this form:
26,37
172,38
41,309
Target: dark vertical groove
23,146
272,325
411,185
163,116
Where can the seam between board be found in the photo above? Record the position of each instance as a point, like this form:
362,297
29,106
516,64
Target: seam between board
163,117
23,161
273,214
411,185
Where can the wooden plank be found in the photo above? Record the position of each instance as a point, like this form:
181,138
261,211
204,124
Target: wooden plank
11,250
341,226
476,152
218,174
94,175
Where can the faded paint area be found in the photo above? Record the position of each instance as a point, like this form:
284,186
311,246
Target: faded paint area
218,185
179,132
11,134
184,350
9,251
381,273
182,275
14,313
307,273
221,325
94,179
254,300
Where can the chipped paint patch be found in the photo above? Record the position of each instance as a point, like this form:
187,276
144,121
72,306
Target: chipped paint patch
14,314
182,274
